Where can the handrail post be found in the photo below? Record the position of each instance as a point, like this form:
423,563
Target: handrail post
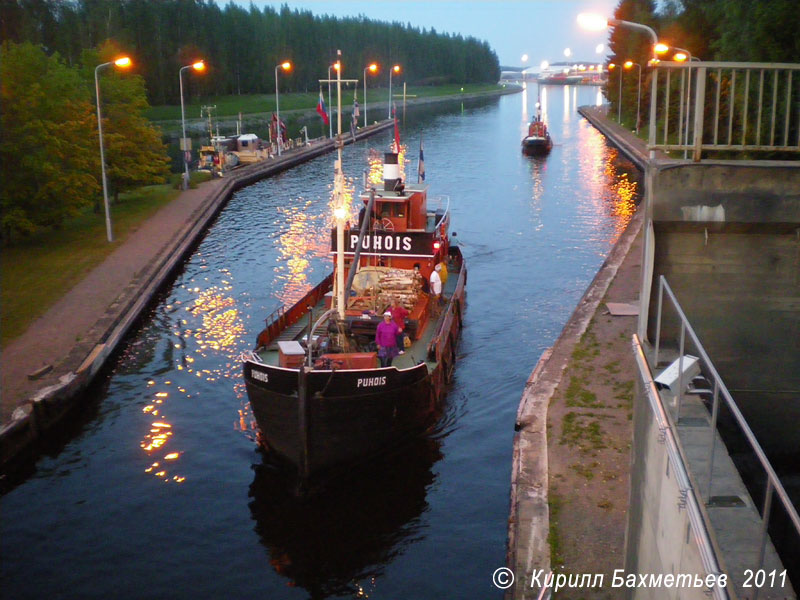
714,415
700,93
658,318
764,530
680,371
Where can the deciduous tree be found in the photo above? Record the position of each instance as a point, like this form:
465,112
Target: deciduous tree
135,154
47,151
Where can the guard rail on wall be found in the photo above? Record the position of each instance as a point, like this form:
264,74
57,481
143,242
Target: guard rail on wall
709,106
718,389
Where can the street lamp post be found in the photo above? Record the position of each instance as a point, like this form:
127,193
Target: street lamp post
394,69
198,66
120,62
373,68
286,65
611,67
598,23
629,64
330,121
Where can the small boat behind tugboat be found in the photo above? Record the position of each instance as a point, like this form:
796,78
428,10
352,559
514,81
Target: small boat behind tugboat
323,393
538,141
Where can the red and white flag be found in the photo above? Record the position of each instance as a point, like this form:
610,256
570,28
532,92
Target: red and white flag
321,108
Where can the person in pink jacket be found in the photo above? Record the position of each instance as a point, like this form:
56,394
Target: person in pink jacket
386,339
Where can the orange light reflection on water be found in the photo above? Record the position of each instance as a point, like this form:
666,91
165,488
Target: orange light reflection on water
213,325
606,183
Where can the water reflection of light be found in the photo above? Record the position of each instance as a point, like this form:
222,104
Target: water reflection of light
606,184
305,236
210,323
567,111
598,100
543,100
524,103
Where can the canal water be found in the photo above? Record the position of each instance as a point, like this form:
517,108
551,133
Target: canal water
161,491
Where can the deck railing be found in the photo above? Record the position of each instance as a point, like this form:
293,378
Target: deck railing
716,106
718,393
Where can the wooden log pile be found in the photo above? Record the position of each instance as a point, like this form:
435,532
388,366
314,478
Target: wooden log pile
401,284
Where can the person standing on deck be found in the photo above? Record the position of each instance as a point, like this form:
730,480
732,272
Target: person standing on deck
386,340
436,287
399,314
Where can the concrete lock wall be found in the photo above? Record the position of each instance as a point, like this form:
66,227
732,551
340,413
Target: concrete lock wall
727,238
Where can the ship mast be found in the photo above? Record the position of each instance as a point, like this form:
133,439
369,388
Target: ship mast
339,210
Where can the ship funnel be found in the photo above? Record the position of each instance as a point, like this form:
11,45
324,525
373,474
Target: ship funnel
391,171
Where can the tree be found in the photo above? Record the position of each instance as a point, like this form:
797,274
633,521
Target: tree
47,153
135,154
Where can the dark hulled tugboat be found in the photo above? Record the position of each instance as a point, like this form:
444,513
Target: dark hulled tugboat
320,397
538,141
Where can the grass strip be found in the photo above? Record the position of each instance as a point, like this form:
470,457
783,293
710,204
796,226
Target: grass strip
37,271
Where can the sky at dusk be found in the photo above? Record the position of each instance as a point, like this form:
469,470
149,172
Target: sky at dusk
542,29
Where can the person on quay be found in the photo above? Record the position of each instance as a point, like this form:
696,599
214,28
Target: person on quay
386,340
399,314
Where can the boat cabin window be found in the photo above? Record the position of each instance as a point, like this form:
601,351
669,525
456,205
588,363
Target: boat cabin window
392,209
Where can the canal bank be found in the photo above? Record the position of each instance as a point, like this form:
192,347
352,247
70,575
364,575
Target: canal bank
569,482
46,369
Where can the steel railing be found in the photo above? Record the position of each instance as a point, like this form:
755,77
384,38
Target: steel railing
719,393
718,106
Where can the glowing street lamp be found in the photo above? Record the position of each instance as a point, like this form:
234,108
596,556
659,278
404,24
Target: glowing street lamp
198,66
680,54
394,69
594,22
373,68
286,66
335,67
629,64
123,63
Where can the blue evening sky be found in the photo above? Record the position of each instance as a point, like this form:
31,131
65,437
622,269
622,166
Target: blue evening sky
542,29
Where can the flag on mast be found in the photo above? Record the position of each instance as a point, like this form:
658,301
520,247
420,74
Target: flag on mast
321,108
421,163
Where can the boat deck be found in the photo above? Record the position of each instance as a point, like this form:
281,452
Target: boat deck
412,356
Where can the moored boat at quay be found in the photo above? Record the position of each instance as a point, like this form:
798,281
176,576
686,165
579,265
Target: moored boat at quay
316,386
